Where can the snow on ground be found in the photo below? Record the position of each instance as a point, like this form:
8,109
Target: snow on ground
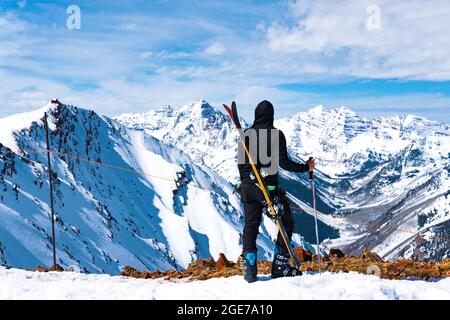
20,284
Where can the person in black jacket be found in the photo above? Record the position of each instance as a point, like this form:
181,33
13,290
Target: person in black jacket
263,135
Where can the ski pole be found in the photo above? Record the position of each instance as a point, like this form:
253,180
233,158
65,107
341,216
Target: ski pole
311,177
50,181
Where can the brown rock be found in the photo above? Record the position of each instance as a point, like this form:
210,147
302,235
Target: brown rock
445,264
202,264
223,262
398,269
128,271
57,268
303,254
336,253
40,269
371,256
133,273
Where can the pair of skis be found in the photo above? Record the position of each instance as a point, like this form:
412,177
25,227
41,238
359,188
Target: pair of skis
235,118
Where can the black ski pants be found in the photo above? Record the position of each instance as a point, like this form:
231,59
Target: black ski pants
252,199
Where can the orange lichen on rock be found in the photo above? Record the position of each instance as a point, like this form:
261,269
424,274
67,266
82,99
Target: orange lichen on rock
336,261
223,263
57,268
303,254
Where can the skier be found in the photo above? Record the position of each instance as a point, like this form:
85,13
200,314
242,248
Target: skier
252,196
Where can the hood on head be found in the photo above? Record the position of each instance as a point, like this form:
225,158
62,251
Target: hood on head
264,114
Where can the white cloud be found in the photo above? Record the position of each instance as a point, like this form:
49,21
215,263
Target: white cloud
164,55
11,46
10,24
412,43
216,49
327,42
146,54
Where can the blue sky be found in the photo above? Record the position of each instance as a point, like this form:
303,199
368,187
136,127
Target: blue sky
135,55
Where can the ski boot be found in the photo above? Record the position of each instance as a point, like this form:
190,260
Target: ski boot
281,266
248,263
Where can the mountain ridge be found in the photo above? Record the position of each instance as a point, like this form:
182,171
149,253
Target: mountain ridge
119,199
361,163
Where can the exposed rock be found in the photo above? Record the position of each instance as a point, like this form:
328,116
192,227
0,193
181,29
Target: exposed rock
133,273
368,263
40,269
223,262
336,253
371,256
56,267
55,101
444,267
322,258
303,254
202,264
52,268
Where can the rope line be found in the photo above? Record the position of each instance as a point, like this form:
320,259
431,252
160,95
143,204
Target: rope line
218,190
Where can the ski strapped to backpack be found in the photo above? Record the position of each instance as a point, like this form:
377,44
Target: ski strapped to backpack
232,112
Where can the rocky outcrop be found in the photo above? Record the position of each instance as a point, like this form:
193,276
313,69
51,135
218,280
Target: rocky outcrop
56,267
336,253
371,256
336,261
304,255
223,263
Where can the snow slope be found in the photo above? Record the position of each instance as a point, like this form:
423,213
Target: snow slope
20,284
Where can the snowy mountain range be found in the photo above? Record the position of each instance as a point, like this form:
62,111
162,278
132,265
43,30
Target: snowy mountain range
122,197
382,184
155,190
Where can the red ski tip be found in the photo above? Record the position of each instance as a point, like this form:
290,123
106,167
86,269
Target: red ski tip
230,112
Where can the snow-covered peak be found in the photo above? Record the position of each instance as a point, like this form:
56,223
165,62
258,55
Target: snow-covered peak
202,131
339,134
115,192
334,135
199,108
16,122
317,110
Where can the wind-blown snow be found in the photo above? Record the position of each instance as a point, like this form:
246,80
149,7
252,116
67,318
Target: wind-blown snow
20,284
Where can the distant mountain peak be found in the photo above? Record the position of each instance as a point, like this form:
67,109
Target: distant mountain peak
55,101
199,108
317,110
345,110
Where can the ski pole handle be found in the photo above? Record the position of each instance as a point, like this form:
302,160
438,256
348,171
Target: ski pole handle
311,172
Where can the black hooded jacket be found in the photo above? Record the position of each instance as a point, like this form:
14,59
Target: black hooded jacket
264,116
